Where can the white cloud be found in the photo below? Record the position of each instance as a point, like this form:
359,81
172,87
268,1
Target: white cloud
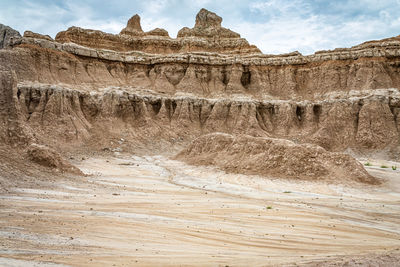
308,35
277,8
168,24
286,36
84,17
204,2
296,25
155,6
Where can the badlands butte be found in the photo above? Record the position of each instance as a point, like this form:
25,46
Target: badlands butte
82,107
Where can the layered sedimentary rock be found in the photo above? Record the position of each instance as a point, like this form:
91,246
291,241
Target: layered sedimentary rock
86,83
40,60
207,36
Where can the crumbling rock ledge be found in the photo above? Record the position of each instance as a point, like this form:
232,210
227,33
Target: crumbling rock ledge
390,49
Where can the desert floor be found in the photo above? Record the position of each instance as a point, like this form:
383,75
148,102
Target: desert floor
151,210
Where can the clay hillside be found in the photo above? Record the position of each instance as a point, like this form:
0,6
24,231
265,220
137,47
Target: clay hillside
211,115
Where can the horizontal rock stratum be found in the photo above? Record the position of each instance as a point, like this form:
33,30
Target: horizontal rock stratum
89,87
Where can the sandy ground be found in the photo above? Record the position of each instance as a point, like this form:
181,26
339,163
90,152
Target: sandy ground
152,211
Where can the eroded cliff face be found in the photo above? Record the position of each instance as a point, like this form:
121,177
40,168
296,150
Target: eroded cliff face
12,130
89,87
368,121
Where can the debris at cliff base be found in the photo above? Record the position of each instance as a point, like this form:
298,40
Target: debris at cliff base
48,157
274,158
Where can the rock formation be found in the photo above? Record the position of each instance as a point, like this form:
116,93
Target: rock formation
88,87
8,36
208,25
207,36
29,34
133,27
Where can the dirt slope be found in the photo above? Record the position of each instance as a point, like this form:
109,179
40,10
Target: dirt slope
274,157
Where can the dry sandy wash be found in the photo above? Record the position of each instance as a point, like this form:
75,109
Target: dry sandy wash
153,211
142,149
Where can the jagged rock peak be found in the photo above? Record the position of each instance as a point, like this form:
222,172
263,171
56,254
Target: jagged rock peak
205,19
133,26
134,23
208,25
8,36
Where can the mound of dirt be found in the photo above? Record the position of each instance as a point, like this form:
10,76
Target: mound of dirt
274,157
48,157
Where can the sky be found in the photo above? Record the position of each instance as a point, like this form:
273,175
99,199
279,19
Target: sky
274,26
